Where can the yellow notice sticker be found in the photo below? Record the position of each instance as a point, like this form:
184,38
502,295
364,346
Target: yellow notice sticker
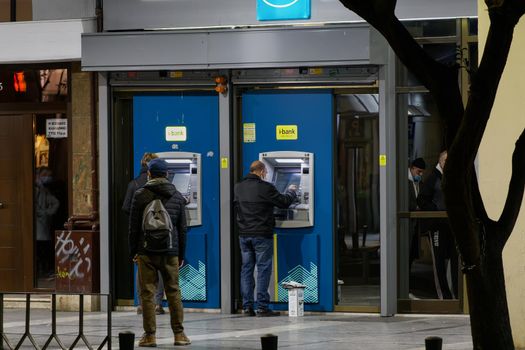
315,71
286,132
176,74
249,132
224,162
382,160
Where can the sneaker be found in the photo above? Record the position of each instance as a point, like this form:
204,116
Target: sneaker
181,339
139,310
248,312
267,313
159,310
148,341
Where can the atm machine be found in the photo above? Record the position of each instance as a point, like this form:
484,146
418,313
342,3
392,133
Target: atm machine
184,171
287,168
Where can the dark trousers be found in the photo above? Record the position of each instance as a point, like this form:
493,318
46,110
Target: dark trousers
256,251
444,250
149,266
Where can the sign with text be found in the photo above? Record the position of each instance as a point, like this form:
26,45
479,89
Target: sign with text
274,10
56,128
176,133
249,135
286,132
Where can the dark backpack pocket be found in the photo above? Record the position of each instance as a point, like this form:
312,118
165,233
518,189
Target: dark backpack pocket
159,241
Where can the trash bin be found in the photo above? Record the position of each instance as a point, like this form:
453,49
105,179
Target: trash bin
433,343
295,298
269,342
126,340
339,292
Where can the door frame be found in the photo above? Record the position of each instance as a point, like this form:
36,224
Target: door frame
337,87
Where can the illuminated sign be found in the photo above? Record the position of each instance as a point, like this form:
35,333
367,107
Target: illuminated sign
274,10
286,132
19,82
176,133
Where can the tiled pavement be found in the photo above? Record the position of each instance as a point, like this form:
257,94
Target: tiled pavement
216,331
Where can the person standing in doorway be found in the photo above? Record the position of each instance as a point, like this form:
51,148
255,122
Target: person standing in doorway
254,201
157,252
415,175
46,206
442,241
133,186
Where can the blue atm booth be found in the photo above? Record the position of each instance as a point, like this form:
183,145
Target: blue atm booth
183,128
288,130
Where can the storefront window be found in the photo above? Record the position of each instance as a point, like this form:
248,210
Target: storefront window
33,85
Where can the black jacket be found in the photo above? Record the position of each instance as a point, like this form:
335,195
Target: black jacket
174,203
254,201
134,185
430,196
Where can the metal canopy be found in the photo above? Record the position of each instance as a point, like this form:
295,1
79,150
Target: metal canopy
227,49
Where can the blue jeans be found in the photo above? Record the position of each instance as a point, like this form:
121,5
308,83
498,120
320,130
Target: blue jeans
256,251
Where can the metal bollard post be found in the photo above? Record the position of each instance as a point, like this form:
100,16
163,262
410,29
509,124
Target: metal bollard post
126,340
269,342
433,343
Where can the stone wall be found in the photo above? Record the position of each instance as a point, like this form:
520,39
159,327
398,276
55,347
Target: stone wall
81,109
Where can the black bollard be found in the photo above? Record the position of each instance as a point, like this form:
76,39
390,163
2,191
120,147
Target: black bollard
269,342
433,343
126,340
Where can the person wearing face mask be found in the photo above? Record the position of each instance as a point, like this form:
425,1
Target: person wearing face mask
46,206
442,241
415,174
254,201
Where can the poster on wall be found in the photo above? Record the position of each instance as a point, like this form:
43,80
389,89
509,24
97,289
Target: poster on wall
56,128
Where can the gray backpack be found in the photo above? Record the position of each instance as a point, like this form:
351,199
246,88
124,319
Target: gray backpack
157,228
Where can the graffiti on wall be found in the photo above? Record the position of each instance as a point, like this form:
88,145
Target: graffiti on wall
73,256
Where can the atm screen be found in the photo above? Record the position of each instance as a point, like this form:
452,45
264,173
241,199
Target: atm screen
286,177
181,181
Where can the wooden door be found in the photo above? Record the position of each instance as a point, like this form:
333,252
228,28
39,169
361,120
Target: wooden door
16,198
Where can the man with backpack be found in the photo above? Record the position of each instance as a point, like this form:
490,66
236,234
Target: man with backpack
157,240
133,186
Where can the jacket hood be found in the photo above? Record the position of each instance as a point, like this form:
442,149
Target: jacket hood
161,186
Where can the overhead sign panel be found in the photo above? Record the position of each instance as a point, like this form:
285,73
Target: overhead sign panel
275,10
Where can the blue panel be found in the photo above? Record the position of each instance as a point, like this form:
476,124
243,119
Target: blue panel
301,266
308,251
271,10
199,113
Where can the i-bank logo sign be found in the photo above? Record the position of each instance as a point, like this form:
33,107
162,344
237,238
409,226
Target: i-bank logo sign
272,10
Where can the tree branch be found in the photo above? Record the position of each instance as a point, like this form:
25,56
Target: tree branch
439,79
512,207
477,200
460,203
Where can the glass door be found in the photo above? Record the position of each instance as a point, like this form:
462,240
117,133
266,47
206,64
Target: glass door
357,202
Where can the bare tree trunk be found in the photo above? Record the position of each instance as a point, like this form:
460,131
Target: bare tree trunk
489,317
480,240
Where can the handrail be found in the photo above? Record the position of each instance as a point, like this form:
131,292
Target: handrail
27,334
422,215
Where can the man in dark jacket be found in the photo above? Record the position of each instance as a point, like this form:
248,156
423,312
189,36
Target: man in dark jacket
443,246
133,186
254,202
415,174
167,262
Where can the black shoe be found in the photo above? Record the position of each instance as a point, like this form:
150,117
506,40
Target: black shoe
267,313
248,312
